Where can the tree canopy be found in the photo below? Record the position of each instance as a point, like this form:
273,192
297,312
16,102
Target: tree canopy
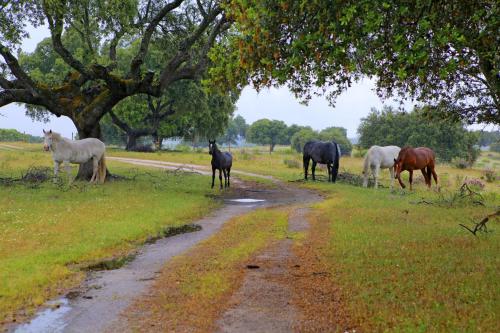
447,138
337,134
268,132
439,53
100,52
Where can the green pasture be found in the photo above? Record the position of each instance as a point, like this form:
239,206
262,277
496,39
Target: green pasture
404,266
49,231
400,258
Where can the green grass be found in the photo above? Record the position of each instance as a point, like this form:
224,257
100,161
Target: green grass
49,231
408,267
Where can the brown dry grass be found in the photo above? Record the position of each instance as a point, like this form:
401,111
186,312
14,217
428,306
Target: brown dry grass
193,289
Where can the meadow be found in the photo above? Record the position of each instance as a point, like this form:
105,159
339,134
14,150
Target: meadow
400,258
51,232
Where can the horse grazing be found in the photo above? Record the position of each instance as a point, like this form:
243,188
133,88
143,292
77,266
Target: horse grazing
421,158
76,151
322,152
378,158
222,161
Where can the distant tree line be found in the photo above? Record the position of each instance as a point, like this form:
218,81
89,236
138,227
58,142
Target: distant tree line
276,132
449,139
13,135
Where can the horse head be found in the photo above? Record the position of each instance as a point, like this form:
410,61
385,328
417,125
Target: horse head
398,167
211,146
47,141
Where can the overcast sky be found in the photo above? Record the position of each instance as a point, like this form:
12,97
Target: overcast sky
280,104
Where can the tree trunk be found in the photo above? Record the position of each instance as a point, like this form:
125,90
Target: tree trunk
86,169
271,147
131,141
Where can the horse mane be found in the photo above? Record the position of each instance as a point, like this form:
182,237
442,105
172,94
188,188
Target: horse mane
56,136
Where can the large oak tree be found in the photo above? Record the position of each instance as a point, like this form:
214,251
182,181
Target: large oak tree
92,83
440,53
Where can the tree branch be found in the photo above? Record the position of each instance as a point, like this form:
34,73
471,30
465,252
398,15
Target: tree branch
138,60
56,29
16,69
193,71
169,72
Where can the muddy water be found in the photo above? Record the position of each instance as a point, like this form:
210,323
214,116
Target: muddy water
105,294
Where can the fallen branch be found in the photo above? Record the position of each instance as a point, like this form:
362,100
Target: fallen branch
481,226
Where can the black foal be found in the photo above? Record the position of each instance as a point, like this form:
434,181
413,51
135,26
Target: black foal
223,161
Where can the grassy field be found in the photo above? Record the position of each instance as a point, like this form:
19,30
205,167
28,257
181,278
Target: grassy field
408,267
48,231
400,258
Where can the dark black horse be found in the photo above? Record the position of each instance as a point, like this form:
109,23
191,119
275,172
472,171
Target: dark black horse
322,152
223,161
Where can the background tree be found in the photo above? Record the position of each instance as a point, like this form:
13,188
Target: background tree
299,138
13,135
440,53
447,138
337,134
86,82
267,132
241,126
486,138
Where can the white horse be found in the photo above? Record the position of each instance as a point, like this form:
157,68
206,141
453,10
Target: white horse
379,158
76,151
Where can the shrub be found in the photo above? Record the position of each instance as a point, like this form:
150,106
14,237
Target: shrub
292,163
460,163
475,184
490,175
359,152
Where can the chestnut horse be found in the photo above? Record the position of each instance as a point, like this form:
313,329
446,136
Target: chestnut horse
421,158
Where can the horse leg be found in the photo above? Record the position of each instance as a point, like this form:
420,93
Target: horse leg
329,168
306,166
426,177
335,171
95,169
56,170
228,176
313,170
220,178
391,171
375,175
411,178
213,176
225,177
67,168
434,174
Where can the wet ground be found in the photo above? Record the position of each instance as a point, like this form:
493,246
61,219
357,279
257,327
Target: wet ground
97,304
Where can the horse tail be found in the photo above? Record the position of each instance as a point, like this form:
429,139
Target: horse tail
102,169
336,162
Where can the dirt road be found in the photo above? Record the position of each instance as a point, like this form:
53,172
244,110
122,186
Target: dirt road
97,304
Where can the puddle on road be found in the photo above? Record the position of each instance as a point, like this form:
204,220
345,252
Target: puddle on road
247,200
49,320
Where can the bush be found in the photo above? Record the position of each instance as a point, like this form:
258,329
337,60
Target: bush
474,184
495,147
183,147
359,152
293,164
460,163
490,175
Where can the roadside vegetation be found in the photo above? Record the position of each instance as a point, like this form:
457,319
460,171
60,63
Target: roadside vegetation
193,289
51,232
406,266
399,259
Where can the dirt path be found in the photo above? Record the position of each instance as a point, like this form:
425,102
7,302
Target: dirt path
263,304
97,305
10,147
